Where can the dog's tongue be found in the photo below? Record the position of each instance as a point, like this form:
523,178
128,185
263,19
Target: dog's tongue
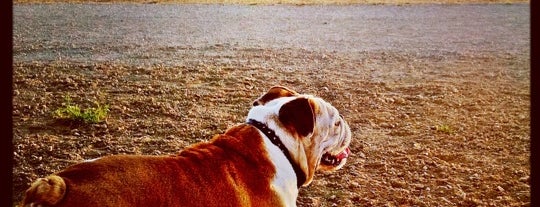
344,154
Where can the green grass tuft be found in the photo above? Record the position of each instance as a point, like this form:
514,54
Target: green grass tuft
444,129
73,112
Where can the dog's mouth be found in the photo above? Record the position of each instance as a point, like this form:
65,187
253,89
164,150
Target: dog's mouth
335,160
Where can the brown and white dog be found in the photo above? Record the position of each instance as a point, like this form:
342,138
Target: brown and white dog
263,162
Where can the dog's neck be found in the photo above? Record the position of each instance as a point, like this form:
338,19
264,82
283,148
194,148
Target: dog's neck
300,175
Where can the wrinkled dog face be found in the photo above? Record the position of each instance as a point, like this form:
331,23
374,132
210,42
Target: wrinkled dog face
336,137
313,130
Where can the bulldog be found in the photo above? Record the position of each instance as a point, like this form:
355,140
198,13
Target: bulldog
287,137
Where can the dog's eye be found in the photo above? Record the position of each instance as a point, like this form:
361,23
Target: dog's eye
338,123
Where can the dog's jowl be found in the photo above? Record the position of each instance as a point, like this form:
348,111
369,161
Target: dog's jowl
286,138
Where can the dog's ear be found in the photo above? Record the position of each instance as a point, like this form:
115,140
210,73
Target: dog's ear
273,93
298,115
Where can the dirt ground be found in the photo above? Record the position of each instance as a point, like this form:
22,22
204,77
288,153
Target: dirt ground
401,156
429,129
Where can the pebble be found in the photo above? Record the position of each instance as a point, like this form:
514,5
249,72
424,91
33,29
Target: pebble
524,179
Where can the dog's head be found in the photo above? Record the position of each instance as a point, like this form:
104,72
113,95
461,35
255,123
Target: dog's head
313,131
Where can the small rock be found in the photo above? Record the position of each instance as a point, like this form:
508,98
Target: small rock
417,146
399,100
361,155
524,179
354,184
398,184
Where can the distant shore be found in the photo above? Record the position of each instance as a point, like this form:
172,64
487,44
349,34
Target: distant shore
291,2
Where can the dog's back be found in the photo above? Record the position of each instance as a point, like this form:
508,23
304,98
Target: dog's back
227,171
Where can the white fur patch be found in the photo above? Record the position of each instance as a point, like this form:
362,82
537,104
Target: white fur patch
307,151
284,182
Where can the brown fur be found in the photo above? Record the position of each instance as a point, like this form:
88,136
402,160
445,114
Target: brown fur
230,170
298,117
273,93
48,191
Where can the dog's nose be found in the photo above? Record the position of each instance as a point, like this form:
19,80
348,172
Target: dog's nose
255,103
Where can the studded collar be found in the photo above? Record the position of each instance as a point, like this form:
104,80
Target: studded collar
300,175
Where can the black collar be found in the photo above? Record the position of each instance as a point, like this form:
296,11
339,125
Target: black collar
300,175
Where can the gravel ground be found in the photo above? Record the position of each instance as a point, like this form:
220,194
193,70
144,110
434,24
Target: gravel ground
149,34
437,95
